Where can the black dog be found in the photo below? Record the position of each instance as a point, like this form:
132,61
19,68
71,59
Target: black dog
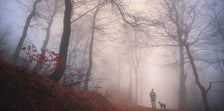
162,105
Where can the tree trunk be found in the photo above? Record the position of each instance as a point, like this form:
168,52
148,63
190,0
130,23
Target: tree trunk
83,58
91,49
182,91
119,77
197,81
137,62
130,82
56,76
25,29
48,30
136,85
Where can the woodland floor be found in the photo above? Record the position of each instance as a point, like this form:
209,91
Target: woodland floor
23,90
124,105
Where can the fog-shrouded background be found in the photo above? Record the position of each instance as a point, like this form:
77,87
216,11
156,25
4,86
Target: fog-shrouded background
126,56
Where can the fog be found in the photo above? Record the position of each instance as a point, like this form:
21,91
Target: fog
121,53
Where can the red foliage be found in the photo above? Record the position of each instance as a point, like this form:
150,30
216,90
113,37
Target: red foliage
46,57
50,59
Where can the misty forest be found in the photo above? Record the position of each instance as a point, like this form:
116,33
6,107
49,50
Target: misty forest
112,55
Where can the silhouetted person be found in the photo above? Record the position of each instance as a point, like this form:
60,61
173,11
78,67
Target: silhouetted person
153,98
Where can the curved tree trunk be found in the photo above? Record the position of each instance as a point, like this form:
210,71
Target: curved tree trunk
56,76
197,81
25,29
48,32
88,73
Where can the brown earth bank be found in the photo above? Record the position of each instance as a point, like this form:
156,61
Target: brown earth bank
23,90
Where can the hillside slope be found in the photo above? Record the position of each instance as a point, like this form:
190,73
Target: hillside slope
22,90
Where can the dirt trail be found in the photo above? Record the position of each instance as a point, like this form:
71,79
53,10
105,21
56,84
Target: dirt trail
124,105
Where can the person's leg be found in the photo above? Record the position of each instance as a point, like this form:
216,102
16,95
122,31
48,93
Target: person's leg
152,103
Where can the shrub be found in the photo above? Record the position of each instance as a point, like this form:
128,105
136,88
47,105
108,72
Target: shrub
50,59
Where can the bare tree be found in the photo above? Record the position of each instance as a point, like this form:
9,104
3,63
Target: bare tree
48,11
136,57
63,50
218,21
183,15
180,19
51,8
88,73
197,81
217,18
25,29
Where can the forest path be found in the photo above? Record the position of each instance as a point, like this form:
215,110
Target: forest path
124,105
